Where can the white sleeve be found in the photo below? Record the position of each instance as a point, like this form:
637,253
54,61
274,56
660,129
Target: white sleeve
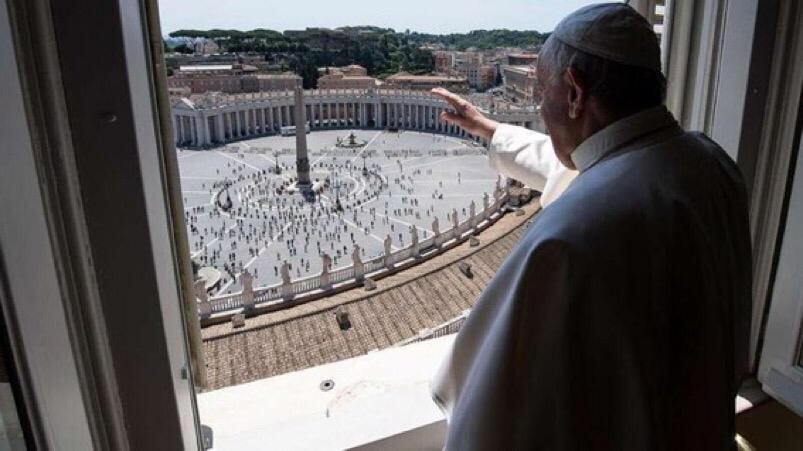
527,156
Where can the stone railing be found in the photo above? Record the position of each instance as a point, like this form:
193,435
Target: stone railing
327,282
450,327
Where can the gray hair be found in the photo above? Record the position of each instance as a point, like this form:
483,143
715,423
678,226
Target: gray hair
619,87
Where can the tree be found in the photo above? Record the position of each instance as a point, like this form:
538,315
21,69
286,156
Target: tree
183,48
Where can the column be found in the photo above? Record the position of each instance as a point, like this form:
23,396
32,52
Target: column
235,123
232,124
203,129
270,118
221,138
420,111
194,128
324,115
248,122
225,135
177,129
180,135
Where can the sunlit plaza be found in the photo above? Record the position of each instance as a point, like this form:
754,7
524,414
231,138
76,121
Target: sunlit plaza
372,190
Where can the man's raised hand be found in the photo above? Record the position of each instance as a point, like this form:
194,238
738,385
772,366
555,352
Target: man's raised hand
466,115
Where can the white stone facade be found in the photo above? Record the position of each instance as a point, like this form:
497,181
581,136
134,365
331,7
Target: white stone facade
211,120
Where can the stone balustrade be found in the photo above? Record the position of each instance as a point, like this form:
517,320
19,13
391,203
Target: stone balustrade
285,294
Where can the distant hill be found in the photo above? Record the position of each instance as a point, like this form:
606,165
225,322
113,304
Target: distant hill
382,51
316,38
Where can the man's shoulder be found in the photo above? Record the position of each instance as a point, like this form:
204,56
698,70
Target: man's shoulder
643,188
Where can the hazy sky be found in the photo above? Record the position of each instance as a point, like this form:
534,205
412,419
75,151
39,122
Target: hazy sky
432,16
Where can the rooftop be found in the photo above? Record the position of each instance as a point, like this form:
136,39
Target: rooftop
422,297
403,76
286,75
206,67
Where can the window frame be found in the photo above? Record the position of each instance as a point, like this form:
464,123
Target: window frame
780,369
138,41
105,360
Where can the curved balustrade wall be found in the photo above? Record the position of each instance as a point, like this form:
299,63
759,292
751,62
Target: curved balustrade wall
282,295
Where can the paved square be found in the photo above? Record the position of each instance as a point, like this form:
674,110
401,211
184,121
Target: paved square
410,179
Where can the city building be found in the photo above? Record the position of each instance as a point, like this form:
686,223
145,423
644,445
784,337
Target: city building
444,62
519,83
269,82
403,80
471,65
486,76
229,78
352,76
175,60
341,81
352,70
522,59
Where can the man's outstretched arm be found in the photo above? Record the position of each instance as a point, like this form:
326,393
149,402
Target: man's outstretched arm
515,152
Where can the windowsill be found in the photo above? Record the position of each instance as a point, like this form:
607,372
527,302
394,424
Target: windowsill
750,395
379,401
381,396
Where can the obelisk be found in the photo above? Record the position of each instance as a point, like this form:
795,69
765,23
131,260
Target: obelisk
302,160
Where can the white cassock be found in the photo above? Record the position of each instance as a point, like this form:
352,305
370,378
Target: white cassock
620,321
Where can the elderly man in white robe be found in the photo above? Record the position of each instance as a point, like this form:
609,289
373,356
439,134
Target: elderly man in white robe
620,320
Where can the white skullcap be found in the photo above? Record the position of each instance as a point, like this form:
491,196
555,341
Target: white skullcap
612,31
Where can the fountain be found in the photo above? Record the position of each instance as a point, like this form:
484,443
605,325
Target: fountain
351,142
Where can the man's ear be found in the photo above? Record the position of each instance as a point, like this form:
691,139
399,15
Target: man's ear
575,92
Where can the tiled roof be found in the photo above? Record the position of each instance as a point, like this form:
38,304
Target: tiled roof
423,296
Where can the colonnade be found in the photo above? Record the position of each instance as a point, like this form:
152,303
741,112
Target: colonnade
237,117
